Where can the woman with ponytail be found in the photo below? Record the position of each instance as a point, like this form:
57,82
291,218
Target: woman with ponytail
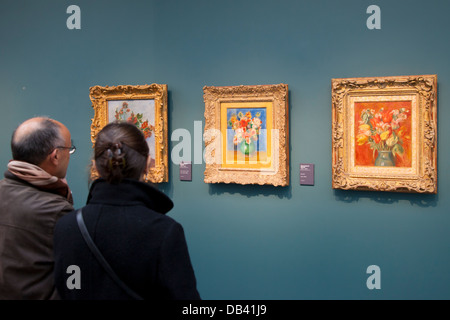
125,218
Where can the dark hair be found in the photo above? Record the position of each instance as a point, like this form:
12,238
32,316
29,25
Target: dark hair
36,146
120,152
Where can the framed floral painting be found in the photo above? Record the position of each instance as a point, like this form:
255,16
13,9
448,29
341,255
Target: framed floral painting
384,133
246,134
143,105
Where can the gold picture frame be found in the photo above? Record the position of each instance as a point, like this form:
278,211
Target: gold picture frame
247,134
384,133
146,106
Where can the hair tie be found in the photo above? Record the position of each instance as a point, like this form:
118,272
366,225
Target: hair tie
118,148
110,158
119,160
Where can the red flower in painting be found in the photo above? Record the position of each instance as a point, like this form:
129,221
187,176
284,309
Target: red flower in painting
244,123
376,138
387,117
375,122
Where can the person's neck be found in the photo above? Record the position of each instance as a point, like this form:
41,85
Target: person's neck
49,168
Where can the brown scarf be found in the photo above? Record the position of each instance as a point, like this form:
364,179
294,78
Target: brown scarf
40,178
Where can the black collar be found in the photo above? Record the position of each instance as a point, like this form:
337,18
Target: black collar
129,192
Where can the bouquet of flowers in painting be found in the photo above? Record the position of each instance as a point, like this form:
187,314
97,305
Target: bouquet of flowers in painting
385,132
126,114
246,131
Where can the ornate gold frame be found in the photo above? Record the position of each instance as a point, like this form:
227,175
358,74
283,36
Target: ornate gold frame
157,92
421,90
277,97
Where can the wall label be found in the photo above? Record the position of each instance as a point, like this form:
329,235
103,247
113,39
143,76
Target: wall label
307,174
185,171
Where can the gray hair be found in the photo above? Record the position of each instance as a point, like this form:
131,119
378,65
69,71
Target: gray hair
38,143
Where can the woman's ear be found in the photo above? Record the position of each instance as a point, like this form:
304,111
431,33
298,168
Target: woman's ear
147,166
149,160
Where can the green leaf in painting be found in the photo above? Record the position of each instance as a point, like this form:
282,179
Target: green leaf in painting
397,149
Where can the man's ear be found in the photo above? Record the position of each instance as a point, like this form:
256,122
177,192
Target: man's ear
54,157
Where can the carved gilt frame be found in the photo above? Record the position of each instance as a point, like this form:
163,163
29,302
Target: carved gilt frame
101,96
274,170
420,93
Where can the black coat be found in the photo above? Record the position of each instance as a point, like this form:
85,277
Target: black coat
146,248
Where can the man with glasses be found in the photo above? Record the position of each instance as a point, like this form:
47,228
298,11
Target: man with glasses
33,195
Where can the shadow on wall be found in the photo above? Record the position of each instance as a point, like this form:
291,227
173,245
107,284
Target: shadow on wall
167,187
251,190
421,200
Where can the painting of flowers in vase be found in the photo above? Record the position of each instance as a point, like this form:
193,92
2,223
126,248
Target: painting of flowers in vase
383,133
247,134
141,113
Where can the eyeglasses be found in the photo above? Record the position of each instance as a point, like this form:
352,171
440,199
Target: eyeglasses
72,148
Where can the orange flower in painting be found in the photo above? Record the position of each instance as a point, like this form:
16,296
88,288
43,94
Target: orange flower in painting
376,138
244,123
387,117
374,122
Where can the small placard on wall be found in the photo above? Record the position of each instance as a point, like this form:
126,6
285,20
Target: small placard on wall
186,171
307,174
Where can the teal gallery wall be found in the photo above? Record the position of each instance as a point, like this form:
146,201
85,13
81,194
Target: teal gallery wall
251,242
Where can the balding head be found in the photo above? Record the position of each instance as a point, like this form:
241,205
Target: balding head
35,138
